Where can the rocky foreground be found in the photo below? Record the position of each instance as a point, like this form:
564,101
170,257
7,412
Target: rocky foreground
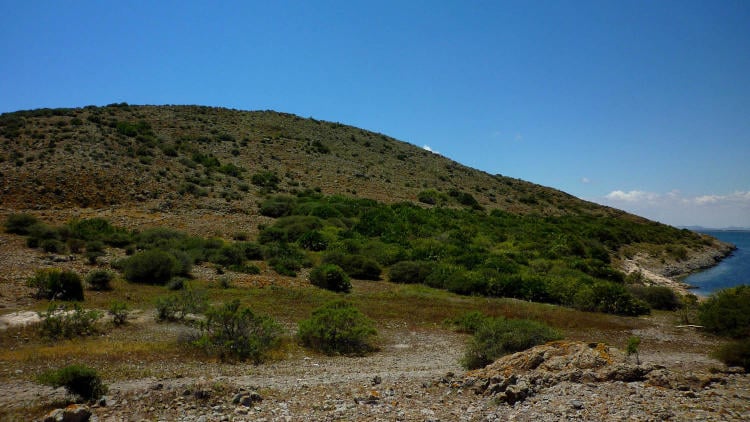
557,381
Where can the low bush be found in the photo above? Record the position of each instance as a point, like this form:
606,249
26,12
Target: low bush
99,280
19,223
78,380
313,241
410,271
736,353
152,267
356,266
236,333
277,206
330,277
727,312
338,328
285,258
609,297
496,337
177,306
57,284
657,297
53,246
59,322
119,313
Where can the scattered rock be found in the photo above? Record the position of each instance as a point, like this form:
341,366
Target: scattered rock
72,413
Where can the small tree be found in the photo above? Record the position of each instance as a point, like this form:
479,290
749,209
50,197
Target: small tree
78,380
632,348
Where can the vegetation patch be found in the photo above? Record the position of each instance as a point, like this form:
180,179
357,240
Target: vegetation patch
330,277
338,327
57,284
727,312
79,380
234,332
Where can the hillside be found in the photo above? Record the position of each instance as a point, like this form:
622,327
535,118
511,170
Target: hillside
206,170
120,155
180,216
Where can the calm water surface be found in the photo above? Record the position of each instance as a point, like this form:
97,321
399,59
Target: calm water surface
732,271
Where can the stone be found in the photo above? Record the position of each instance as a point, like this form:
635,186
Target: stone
72,413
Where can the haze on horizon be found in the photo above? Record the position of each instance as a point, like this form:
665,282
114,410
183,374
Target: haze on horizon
638,105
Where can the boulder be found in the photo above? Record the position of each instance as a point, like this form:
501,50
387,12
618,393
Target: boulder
72,413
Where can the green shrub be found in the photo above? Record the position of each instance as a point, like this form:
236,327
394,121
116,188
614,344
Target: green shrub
267,180
410,272
313,241
19,223
152,267
285,258
431,197
53,246
497,337
57,284
736,353
40,232
78,380
119,312
99,280
657,297
177,306
234,332
277,206
727,312
338,328
608,297
59,322
356,266
330,277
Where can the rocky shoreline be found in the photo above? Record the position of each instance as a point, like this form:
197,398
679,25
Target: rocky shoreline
672,273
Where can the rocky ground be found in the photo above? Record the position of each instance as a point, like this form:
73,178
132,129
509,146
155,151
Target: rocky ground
418,380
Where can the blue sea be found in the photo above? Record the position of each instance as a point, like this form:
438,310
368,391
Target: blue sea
732,271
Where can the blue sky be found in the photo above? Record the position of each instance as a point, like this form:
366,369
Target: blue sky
642,105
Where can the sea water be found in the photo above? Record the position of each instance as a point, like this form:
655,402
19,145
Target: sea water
732,271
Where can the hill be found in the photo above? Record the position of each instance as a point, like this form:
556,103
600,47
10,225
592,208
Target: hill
120,154
168,211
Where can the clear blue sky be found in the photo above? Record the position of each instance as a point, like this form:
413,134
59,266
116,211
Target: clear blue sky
643,105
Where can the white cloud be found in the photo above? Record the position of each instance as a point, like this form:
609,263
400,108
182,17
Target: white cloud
710,210
585,180
736,197
631,196
428,148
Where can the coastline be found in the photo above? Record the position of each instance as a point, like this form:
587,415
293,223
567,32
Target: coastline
671,274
